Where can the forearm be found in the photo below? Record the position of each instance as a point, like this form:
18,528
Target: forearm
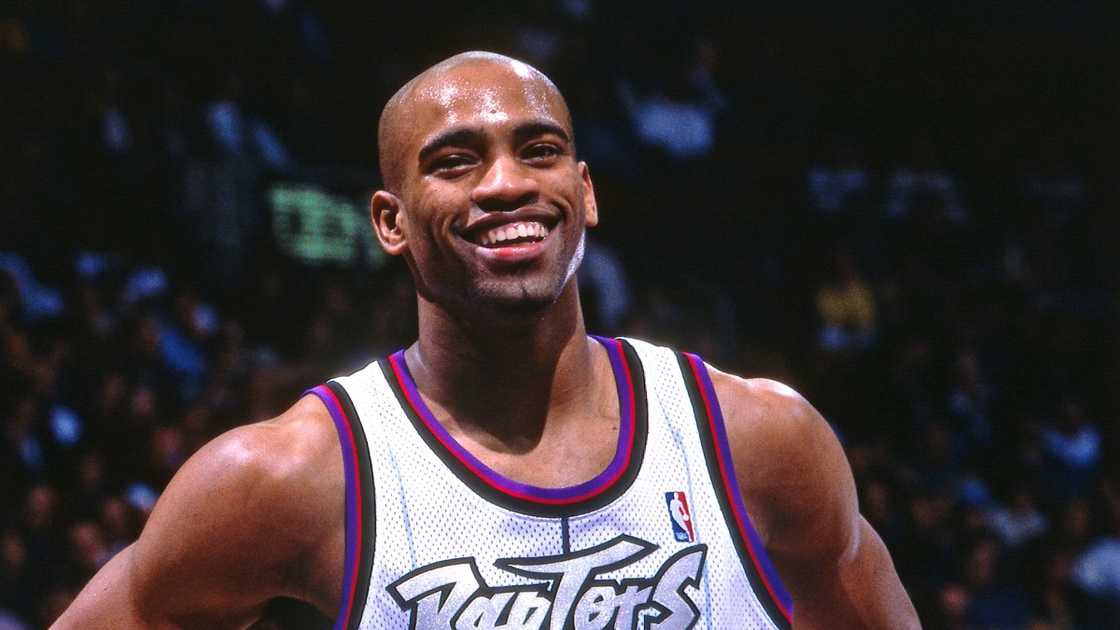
110,602
106,601
861,591
882,600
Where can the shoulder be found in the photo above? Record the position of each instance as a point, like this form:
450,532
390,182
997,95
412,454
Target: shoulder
770,425
792,471
765,409
247,515
284,456
801,497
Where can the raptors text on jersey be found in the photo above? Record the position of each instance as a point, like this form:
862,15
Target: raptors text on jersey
568,591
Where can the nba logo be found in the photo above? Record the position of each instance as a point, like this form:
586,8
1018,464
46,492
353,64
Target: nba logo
680,517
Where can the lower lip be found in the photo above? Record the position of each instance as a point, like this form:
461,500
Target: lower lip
521,252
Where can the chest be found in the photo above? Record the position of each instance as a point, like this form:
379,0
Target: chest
569,456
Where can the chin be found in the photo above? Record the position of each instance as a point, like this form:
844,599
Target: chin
534,291
520,297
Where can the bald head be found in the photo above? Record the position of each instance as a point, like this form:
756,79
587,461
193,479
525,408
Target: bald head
476,80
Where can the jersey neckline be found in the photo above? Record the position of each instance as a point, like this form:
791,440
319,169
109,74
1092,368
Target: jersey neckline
589,495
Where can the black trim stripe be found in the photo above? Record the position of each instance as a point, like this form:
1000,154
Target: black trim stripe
368,515
526,506
711,459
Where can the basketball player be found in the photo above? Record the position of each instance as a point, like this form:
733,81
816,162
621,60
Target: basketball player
507,470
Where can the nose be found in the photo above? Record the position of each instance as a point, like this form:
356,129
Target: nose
505,186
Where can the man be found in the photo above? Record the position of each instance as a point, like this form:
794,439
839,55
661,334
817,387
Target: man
507,470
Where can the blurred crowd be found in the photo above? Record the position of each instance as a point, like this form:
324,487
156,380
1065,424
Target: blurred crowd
912,226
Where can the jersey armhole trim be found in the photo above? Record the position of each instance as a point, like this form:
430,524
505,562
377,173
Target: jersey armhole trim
358,555
760,571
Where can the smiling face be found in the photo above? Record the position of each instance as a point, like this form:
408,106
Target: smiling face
485,198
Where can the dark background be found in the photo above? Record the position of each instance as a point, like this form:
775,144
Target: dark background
907,213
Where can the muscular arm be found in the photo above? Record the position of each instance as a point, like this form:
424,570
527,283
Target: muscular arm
799,490
254,515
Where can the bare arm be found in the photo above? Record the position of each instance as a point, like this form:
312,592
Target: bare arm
255,514
799,490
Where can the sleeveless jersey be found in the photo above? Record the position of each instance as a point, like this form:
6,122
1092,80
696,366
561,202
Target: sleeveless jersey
660,539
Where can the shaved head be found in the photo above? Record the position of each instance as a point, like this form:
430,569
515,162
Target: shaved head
441,85
476,147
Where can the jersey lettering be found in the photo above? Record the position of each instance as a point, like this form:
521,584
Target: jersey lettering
452,595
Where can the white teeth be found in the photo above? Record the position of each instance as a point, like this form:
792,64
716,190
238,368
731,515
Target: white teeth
513,231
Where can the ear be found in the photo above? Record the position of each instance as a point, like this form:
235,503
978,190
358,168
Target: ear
388,222
591,207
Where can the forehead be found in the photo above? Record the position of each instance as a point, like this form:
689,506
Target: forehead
483,94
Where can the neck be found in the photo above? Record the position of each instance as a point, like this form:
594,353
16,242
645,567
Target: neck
505,378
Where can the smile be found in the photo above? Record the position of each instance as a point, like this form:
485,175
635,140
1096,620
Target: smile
512,234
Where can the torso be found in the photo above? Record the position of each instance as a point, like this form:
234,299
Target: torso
423,513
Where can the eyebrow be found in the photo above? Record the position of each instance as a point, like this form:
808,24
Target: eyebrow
534,128
469,134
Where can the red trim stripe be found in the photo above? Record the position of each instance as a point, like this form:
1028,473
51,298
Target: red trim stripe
729,484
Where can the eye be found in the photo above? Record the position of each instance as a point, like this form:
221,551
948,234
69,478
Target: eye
541,152
451,165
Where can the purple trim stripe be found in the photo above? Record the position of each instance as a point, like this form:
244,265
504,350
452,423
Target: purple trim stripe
353,503
755,547
553,496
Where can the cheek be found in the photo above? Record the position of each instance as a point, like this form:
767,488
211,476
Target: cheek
432,224
574,193
564,185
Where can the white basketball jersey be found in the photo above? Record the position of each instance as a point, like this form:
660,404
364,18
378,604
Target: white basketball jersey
660,539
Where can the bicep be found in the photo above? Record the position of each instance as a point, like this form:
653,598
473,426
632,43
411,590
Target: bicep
212,553
841,569
801,494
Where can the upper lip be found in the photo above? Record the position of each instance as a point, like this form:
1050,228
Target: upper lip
490,220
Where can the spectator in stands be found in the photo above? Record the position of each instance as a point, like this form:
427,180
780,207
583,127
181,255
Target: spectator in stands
1074,444
678,116
970,401
845,306
993,603
1019,522
1097,568
16,596
839,181
238,133
924,187
1055,603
